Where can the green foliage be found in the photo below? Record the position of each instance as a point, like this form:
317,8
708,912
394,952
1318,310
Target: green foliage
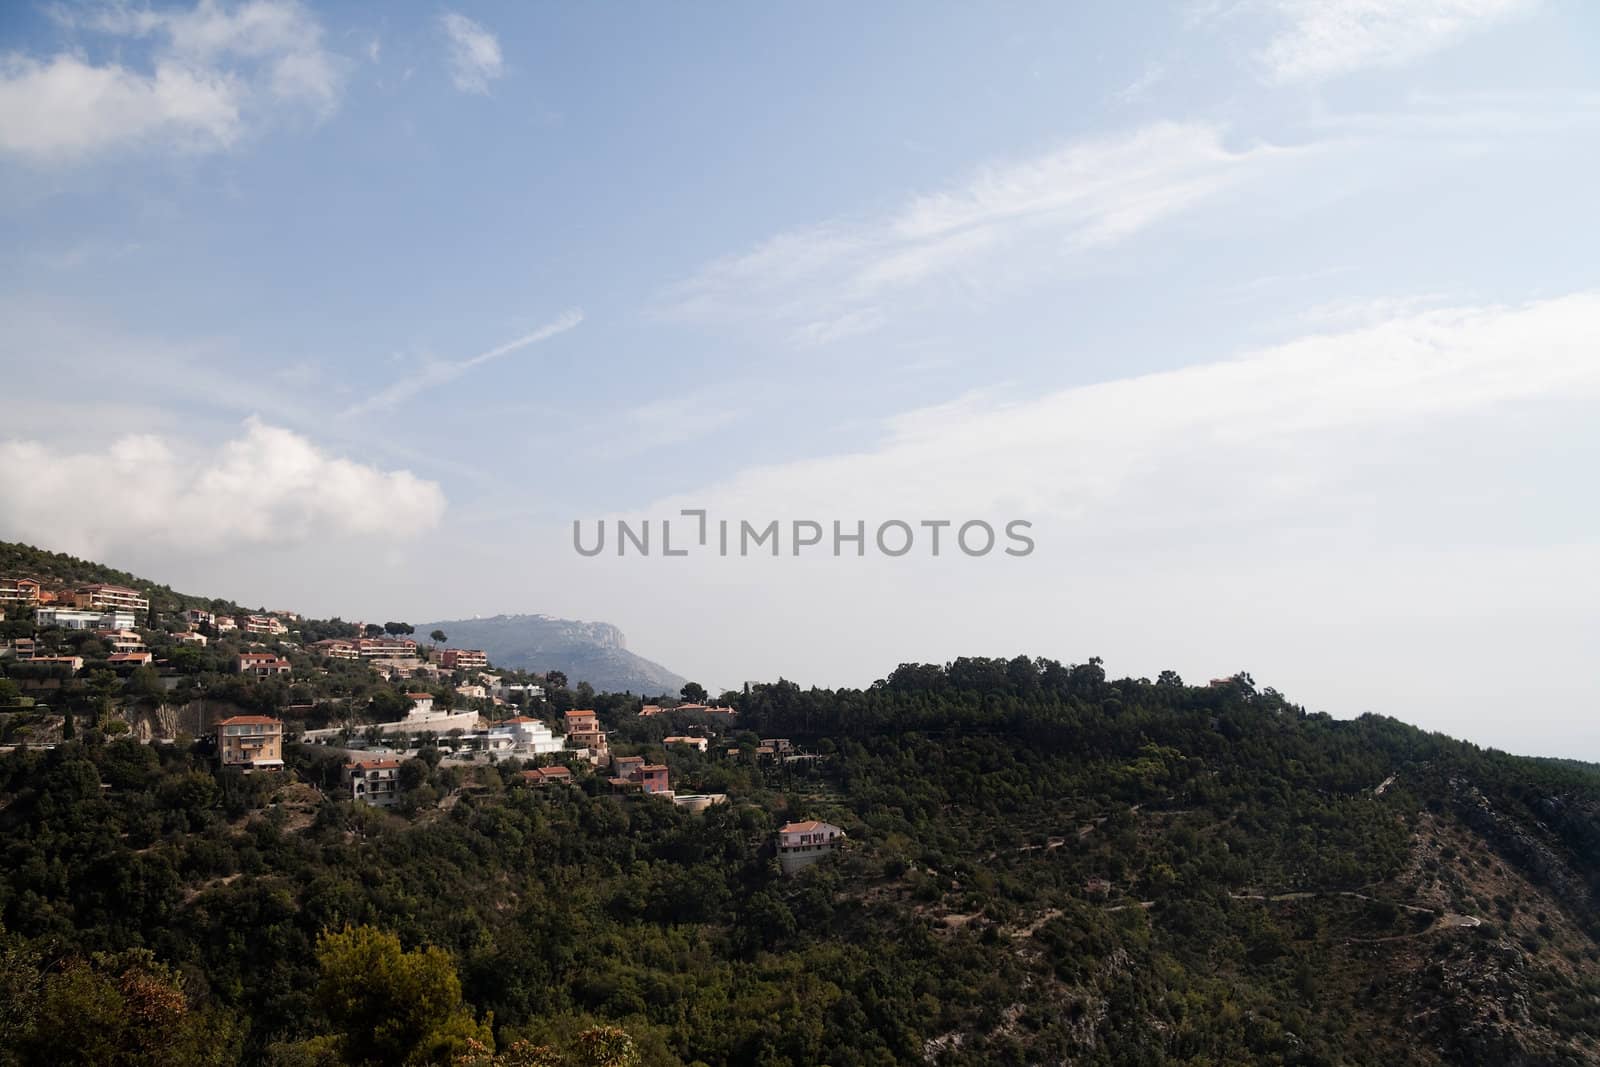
391,1006
1043,865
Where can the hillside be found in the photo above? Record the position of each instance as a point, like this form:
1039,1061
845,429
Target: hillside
1043,865
57,568
593,652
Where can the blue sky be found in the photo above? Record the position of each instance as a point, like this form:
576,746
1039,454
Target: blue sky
1277,319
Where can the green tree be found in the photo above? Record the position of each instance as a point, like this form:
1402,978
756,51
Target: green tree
391,1006
439,637
694,693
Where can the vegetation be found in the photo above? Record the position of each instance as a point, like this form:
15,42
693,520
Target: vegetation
1043,865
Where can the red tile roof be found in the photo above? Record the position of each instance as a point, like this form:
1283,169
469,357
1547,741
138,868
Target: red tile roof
251,720
371,764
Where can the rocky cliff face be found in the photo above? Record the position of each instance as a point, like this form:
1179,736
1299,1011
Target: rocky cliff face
593,652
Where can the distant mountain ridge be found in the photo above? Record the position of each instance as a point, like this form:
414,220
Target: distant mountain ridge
593,652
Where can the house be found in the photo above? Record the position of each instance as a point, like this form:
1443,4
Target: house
373,781
693,742
191,637
334,648
583,731
73,662
543,776
781,746
626,767
463,659
196,617
707,709
101,597
261,624
527,690
698,802
421,705
261,664
650,711
23,591
130,659
121,640
84,619
250,741
634,773
531,735
472,692
800,844
225,624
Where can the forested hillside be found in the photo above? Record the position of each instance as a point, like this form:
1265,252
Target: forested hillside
59,569
1043,866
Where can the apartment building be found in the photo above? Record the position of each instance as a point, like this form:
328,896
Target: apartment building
85,618
19,591
463,659
386,647
101,597
250,741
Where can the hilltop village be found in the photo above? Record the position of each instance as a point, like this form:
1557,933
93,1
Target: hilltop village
389,710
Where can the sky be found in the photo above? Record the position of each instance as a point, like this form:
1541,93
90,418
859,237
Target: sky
1276,321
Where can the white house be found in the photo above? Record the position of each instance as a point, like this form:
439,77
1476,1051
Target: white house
85,618
374,781
800,844
529,736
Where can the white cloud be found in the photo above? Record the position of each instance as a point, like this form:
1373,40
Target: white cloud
1117,452
436,374
67,108
820,283
213,71
475,58
270,486
1326,38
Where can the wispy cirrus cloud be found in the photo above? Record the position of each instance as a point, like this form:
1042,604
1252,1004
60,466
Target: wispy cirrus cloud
1321,39
1136,450
212,72
832,280
475,58
436,374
